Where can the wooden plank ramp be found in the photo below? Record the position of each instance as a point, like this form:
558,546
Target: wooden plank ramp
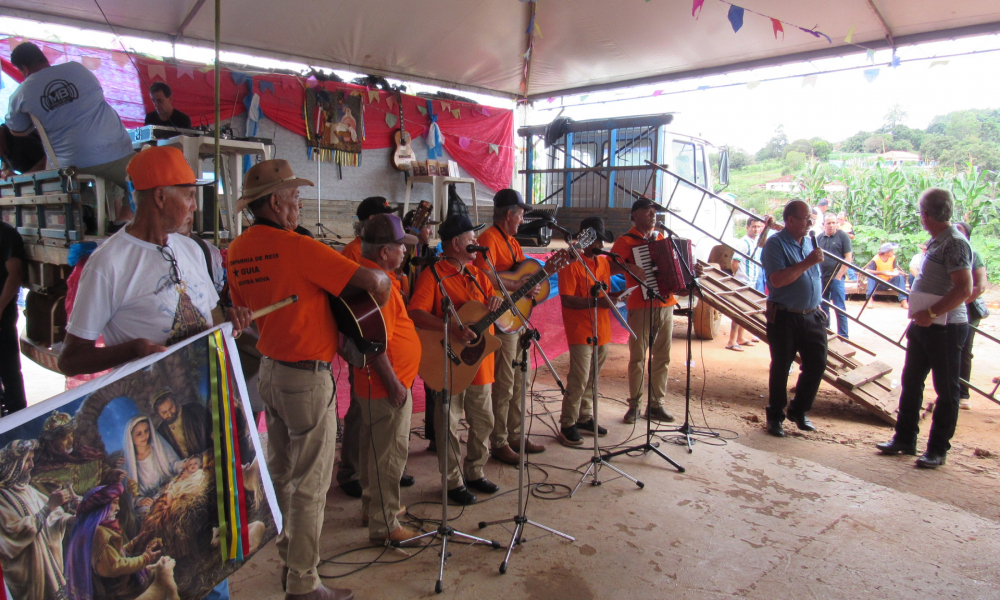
866,384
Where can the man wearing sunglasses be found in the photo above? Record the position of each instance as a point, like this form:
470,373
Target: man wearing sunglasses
795,323
147,286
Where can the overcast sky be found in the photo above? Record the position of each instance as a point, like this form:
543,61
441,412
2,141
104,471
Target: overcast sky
805,98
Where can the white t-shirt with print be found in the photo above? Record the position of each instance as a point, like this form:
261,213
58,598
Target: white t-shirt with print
126,292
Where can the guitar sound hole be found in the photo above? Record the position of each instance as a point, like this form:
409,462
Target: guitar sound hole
470,354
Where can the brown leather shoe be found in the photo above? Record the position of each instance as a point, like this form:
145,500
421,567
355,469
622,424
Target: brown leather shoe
399,515
323,593
505,455
529,446
402,535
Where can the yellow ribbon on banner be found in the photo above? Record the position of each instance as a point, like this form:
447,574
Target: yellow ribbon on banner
228,423
214,341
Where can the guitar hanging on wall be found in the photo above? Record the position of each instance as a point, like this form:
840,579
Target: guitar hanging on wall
403,157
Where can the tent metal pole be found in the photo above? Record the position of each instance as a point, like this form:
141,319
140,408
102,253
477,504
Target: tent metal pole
218,117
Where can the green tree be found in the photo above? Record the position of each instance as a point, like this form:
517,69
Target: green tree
963,125
855,143
821,148
775,147
738,159
794,161
894,118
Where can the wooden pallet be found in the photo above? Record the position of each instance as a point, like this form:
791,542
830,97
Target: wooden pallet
866,384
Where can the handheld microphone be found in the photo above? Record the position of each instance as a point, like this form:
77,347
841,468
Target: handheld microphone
475,248
424,261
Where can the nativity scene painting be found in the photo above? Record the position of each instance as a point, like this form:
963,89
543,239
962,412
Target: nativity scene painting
116,493
334,126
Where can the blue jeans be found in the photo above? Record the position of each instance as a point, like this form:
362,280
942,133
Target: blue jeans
936,350
835,295
897,281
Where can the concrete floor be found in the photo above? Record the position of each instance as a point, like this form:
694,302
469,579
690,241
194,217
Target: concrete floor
740,522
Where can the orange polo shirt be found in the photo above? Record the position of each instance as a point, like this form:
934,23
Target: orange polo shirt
268,263
402,344
504,257
623,247
574,281
352,250
461,289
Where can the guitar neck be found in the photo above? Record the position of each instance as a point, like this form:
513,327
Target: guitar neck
482,324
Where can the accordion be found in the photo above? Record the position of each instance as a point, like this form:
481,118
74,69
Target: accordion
661,262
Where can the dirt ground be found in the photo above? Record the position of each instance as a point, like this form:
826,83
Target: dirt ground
729,392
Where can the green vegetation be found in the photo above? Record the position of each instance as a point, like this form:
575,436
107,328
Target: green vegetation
880,199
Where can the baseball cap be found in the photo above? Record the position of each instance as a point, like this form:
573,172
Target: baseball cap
161,166
455,226
267,177
887,247
646,203
823,202
509,197
373,205
597,224
386,229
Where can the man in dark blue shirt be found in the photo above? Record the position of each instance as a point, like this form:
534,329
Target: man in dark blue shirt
12,260
795,322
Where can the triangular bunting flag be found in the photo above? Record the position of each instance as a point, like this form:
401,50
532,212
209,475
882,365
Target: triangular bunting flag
422,109
373,97
703,87
159,70
870,55
456,113
485,111
527,54
91,62
289,83
51,53
391,120
752,84
776,26
494,149
14,42
531,25
391,102
809,81
817,34
849,38
584,97
267,86
871,74
185,72
895,61
735,17
657,93
120,58
239,78
538,30
446,106
696,7
464,142
937,63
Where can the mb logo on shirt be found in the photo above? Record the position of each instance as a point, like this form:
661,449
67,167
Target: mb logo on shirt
58,93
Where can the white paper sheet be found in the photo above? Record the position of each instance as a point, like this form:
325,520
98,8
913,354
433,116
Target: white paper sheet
921,301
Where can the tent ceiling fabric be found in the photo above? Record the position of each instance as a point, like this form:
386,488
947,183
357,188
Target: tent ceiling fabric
480,44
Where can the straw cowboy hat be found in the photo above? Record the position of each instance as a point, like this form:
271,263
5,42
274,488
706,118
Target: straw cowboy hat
266,178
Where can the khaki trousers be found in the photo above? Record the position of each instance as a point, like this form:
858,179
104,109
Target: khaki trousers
301,412
474,404
385,437
578,403
663,330
506,393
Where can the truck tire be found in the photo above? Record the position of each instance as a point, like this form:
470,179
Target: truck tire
706,320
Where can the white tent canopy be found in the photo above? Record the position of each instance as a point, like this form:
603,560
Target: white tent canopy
480,45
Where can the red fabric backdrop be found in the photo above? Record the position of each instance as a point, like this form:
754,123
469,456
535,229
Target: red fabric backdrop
480,138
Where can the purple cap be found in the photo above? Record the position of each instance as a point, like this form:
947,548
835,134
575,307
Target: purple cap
386,229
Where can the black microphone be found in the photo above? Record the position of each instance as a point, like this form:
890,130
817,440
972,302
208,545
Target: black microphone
606,253
665,229
475,248
424,261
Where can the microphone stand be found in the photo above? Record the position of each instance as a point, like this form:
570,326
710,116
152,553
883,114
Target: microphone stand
528,337
649,445
597,291
445,531
687,430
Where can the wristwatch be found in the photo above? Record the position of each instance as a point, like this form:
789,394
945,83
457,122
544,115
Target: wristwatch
931,313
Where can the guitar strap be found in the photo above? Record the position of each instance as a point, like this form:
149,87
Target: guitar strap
513,257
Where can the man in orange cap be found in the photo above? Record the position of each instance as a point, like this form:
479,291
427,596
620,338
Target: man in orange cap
147,286
268,263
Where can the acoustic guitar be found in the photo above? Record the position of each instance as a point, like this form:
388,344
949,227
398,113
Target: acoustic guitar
362,329
403,157
466,358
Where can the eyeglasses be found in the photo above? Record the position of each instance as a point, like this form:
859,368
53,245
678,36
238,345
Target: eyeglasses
168,255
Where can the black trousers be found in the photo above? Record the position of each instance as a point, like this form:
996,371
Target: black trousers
431,404
787,334
967,356
936,349
12,399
